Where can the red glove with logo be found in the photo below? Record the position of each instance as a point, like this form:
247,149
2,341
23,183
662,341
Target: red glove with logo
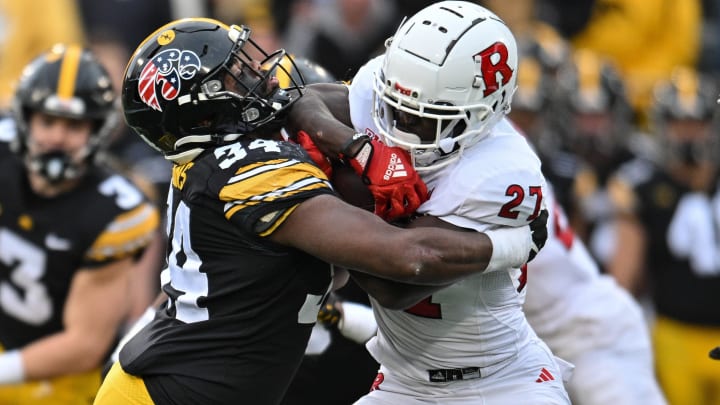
397,188
303,139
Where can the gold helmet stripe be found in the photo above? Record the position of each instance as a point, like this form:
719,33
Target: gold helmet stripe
687,84
69,71
283,76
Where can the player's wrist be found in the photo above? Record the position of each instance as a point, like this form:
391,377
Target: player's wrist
12,370
511,247
357,152
353,145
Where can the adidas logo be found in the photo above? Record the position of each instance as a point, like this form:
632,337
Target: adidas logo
395,168
544,376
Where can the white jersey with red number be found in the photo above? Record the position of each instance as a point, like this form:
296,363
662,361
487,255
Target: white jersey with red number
477,322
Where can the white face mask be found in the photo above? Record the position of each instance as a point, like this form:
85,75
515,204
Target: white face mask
422,158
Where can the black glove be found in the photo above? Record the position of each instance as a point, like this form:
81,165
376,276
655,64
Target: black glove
538,227
329,314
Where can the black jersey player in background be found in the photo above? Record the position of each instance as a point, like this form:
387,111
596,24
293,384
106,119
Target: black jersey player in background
668,227
250,219
70,229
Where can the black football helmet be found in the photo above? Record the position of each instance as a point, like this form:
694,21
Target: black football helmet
688,97
197,82
67,81
592,110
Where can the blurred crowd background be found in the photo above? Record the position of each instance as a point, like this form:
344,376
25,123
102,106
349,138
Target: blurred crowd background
618,96
644,40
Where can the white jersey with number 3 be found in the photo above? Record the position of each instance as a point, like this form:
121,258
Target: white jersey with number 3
477,322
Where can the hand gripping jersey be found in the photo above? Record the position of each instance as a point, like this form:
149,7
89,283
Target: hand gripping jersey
241,307
477,322
45,241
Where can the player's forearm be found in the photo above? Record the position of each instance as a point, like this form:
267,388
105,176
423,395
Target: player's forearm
392,294
626,266
441,256
325,116
64,353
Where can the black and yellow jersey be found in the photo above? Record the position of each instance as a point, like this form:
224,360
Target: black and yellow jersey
241,307
45,241
682,288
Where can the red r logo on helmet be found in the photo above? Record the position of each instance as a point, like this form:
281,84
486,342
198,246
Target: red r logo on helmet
490,69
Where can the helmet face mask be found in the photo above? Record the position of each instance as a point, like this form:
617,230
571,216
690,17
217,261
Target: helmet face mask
466,87
426,131
195,82
57,148
66,83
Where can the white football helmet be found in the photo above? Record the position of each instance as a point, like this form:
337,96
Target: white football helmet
454,62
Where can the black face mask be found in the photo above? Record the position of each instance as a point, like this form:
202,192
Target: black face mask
54,166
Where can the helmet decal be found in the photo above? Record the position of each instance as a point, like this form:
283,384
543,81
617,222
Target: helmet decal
404,90
163,74
166,37
494,60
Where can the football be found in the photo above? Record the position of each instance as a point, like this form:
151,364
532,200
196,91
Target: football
351,188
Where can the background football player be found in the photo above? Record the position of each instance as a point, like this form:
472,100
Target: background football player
69,231
668,217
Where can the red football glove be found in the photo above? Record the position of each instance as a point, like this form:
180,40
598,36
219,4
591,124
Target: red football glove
393,182
303,139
